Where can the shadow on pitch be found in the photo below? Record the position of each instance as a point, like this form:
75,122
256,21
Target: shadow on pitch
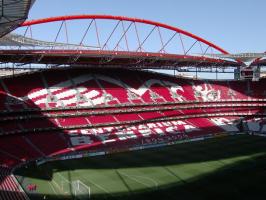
193,152
241,180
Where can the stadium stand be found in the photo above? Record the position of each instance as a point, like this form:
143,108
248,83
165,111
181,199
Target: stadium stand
9,187
255,125
81,110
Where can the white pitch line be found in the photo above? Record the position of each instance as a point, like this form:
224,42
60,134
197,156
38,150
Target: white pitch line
51,186
59,188
98,186
102,188
143,177
150,179
65,180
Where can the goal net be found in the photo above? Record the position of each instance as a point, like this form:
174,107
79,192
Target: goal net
77,189
80,190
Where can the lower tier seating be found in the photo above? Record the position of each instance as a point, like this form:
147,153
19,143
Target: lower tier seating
9,187
18,148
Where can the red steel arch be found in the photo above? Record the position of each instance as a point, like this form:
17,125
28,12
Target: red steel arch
161,52
110,17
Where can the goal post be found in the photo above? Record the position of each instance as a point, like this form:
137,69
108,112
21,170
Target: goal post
80,190
77,189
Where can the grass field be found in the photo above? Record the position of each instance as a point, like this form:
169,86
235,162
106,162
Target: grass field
232,167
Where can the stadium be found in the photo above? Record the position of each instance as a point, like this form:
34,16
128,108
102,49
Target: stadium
114,107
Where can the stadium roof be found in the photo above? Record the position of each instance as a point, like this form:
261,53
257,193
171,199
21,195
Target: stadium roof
244,57
16,40
13,13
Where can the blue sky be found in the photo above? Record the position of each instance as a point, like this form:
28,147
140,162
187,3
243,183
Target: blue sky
235,25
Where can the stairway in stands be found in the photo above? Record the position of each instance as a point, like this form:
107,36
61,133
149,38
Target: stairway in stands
9,187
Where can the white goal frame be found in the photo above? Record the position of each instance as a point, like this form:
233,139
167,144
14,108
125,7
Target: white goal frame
78,188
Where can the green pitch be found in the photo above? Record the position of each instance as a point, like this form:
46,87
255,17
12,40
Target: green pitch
231,167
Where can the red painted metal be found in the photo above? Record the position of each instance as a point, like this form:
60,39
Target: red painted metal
110,17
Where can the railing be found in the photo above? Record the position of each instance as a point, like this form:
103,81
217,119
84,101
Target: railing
133,122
